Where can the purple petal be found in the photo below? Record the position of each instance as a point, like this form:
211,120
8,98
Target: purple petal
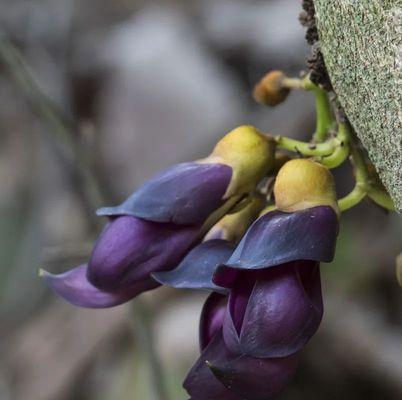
225,277
184,194
278,237
283,311
245,377
130,248
198,267
74,287
212,316
201,383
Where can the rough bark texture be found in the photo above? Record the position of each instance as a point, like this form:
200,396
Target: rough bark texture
361,43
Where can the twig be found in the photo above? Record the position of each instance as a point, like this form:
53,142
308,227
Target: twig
61,125
141,316
66,131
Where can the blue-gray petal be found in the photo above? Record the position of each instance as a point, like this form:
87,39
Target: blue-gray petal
278,237
184,194
74,287
198,267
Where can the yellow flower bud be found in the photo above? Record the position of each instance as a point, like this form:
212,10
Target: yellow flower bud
302,184
270,90
232,227
250,154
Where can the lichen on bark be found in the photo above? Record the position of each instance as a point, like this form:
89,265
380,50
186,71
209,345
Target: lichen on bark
361,42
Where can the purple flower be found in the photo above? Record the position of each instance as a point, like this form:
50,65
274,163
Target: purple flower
220,374
161,221
251,345
149,232
275,302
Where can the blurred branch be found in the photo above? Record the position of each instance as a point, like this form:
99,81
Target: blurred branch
67,132
146,336
61,125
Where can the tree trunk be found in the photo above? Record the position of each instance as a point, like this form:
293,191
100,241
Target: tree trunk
361,44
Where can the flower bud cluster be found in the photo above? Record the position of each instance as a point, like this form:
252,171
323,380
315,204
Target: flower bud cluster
202,225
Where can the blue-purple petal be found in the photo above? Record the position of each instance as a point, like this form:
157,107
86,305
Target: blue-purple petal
283,310
183,194
198,267
243,377
278,237
212,316
131,248
74,287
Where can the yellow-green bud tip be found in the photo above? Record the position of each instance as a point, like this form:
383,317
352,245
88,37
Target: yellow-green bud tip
250,154
303,184
232,227
270,90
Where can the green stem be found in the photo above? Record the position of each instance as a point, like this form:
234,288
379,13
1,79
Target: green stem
365,185
337,158
382,198
324,116
342,149
361,174
304,148
352,199
298,84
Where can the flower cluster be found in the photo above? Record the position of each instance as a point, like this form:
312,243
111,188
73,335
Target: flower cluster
266,302
165,218
205,225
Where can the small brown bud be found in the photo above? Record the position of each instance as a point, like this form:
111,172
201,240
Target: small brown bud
270,90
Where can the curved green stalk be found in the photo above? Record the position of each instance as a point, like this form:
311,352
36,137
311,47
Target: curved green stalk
324,116
362,178
304,148
341,151
337,158
365,185
382,198
352,199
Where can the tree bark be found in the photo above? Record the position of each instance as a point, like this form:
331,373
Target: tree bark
361,42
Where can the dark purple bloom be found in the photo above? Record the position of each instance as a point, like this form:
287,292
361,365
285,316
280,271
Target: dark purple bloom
184,194
151,231
273,309
275,303
220,374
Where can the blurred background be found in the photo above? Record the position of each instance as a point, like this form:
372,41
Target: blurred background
142,85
